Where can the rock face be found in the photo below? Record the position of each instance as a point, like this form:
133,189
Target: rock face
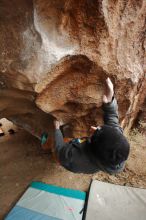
57,54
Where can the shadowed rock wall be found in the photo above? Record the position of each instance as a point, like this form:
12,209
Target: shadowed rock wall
62,51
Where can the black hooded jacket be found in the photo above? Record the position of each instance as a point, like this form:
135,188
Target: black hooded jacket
78,157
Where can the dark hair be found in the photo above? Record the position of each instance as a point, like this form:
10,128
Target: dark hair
109,145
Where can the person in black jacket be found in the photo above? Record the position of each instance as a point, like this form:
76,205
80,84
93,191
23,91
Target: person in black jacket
106,150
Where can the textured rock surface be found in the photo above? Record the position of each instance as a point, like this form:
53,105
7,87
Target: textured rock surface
62,51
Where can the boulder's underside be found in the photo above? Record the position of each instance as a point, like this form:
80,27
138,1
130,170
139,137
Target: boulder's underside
55,57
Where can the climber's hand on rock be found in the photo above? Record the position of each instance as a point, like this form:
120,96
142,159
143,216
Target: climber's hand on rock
57,124
110,91
93,129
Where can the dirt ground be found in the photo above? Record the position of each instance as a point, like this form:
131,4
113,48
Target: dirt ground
22,161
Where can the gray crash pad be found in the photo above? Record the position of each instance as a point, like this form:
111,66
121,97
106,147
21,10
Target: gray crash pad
113,202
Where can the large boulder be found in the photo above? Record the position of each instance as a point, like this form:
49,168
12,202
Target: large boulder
60,53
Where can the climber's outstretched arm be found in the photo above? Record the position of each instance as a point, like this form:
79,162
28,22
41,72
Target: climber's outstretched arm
59,142
64,151
110,107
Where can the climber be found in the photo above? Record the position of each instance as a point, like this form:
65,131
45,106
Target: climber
106,150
